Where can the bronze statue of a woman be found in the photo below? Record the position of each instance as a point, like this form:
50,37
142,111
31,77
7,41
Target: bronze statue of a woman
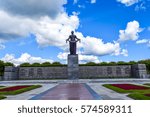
73,43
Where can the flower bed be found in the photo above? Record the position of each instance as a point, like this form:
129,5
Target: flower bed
14,90
147,95
136,92
130,87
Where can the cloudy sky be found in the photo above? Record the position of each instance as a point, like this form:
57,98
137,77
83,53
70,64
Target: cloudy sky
35,31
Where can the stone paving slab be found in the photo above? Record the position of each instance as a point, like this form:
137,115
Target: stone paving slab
105,80
94,84
107,94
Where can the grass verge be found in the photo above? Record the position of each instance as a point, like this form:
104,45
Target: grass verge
134,94
147,84
119,90
2,97
20,90
139,96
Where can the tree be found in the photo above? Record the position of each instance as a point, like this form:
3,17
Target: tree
121,63
104,63
36,65
25,65
132,62
90,63
1,68
1,63
45,64
112,63
8,64
56,63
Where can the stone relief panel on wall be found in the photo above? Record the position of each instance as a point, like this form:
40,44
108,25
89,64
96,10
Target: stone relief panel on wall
109,70
39,72
118,71
23,73
31,72
127,70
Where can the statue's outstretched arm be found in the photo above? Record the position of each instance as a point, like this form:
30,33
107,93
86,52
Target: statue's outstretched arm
67,40
78,39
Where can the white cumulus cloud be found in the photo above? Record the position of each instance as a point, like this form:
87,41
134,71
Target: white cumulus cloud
33,8
131,32
124,52
2,46
48,31
93,1
82,58
25,57
142,41
128,2
52,28
75,1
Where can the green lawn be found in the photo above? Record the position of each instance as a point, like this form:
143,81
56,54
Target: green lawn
134,94
139,96
20,90
147,84
119,90
2,97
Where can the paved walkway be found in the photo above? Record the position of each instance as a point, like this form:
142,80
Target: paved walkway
62,89
70,91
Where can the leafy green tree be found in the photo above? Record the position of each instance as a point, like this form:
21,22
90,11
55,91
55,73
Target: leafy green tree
36,65
1,63
103,63
121,63
56,63
90,63
25,65
45,64
132,62
112,63
1,68
8,64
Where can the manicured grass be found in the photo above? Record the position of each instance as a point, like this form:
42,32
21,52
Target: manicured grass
139,96
120,90
1,86
20,90
148,84
2,97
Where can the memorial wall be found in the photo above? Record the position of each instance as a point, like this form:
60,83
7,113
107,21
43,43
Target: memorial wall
84,72
123,71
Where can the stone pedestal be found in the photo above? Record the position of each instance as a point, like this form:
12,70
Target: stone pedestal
73,67
139,71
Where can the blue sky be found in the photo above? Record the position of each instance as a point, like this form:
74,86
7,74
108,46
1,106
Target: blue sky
114,30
